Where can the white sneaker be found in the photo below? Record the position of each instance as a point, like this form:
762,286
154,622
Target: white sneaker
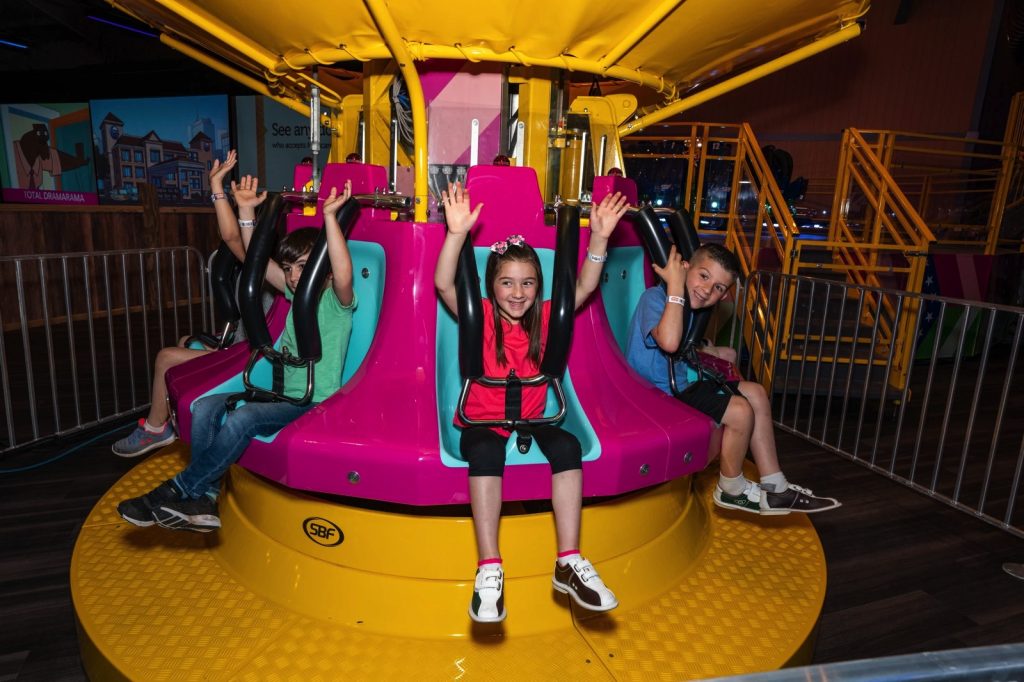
579,580
488,605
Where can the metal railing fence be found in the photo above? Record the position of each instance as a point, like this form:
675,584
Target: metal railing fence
80,332
948,428
1000,663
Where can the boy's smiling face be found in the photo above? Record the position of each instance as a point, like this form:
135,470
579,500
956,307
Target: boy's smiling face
707,282
293,271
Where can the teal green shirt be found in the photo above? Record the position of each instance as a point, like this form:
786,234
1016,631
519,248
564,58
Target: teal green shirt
335,322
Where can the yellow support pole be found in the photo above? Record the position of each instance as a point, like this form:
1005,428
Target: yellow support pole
377,79
348,137
396,44
534,115
777,64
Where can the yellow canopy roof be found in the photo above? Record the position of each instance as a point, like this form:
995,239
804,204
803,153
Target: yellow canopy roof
673,46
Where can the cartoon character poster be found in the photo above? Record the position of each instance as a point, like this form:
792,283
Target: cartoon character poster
169,143
46,154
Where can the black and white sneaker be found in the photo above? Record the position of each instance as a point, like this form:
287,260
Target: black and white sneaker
579,580
794,499
165,506
488,605
139,510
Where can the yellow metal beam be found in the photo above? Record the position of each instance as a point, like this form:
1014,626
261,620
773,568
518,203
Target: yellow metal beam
222,32
233,73
421,52
639,31
400,53
777,64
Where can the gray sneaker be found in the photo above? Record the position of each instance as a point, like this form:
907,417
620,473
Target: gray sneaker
795,499
140,441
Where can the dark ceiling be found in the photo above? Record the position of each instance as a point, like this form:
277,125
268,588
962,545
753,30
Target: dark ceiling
72,54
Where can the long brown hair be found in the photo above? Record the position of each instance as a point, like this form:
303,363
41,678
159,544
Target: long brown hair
531,321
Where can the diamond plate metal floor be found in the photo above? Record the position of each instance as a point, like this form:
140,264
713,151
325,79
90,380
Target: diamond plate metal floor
702,593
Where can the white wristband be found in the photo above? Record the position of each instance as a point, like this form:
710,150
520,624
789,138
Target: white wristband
596,259
678,300
246,223
217,195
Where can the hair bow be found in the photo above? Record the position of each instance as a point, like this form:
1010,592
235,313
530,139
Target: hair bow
502,246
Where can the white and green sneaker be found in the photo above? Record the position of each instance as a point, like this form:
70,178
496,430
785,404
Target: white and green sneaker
749,500
488,605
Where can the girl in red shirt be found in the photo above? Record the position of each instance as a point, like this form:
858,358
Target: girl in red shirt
515,328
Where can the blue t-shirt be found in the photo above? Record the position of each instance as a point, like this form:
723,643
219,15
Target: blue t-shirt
642,351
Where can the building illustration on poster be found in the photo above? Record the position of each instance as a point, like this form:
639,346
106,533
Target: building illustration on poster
169,143
46,156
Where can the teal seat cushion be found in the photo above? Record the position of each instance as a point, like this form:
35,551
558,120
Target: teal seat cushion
368,264
449,385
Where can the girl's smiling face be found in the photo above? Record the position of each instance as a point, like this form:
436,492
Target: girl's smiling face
515,289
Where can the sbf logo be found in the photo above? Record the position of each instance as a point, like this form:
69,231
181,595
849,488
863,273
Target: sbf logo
323,532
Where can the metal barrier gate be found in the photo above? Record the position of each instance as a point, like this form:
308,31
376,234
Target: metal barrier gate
80,332
948,429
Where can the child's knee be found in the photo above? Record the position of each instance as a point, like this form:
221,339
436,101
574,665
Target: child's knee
486,462
561,448
739,414
565,459
756,395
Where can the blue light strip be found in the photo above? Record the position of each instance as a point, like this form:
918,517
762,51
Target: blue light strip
10,44
126,28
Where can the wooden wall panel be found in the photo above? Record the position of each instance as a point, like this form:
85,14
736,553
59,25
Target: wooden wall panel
922,76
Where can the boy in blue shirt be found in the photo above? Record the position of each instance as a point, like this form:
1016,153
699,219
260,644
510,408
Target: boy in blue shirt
741,407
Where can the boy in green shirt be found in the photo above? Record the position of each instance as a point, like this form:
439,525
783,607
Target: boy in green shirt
189,500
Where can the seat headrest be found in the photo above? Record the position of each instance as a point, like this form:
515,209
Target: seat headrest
512,205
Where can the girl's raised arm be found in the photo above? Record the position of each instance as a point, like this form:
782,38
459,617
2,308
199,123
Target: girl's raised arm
603,219
460,220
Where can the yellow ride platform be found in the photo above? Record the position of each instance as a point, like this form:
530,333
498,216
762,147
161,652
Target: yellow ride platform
300,587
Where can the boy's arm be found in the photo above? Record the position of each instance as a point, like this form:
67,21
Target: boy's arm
247,198
460,220
337,245
226,223
668,333
603,219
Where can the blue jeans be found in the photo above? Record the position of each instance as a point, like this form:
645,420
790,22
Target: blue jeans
217,443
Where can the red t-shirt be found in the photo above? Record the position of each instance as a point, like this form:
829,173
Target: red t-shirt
489,402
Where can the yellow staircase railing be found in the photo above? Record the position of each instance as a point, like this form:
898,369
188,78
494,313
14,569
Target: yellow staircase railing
878,239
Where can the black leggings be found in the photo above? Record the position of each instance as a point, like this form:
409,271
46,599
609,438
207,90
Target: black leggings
485,450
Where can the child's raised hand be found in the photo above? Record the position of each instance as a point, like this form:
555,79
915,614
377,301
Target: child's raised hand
606,215
334,201
245,192
674,273
220,170
456,209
